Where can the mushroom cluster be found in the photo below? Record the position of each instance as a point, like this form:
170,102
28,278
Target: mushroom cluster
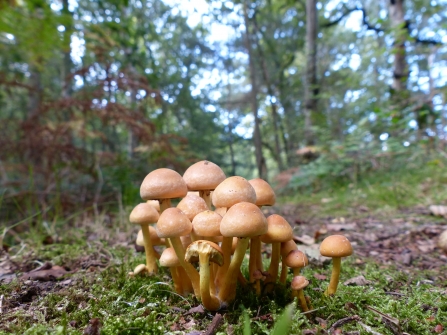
208,233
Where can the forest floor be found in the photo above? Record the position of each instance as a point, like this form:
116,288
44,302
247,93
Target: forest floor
74,280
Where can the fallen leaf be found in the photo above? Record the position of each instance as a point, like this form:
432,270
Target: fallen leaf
53,273
93,327
320,277
438,210
357,281
197,309
340,227
305,239
439,329
189,324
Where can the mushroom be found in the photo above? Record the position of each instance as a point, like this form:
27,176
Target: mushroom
298,284
231,191
286,247
296,260
335,246
265,196
204,176
170,260
163,185
243,220
172,224
442,241
144,214
155,240
278,231
205,252
192,205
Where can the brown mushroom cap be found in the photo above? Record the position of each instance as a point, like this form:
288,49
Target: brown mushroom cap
203,176
299,282
296,259
279,230
186,240
192,205
144,214
335,246
243,219
169,258
287,247
202,246
173,223
265,196
154,203
155,240
233,190
163,184
207,223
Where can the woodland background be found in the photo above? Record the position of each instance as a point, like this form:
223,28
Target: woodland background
306,94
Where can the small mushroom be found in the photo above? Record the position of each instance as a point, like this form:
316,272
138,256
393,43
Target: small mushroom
335,246
298,284
144,214
204,252
442,241
204,176
170,260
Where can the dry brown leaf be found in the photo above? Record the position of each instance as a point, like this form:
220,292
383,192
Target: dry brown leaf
438,210
438,329
320,277
53,273
342,226
358,281
305,239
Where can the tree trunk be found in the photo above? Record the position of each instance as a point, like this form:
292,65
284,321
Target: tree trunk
67,88
400,74
310,87
257,139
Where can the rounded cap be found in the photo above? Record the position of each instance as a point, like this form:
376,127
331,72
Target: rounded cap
154,203
192,205
155,240
243,219
233,190
265,196
221,211
335,246
287,247
169,258
299,282
173,223
442,241
296,259
204,247
203,176
207,224
144,214
163,184
279,230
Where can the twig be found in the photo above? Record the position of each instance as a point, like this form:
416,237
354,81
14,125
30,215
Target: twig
212,328
341,322
1,303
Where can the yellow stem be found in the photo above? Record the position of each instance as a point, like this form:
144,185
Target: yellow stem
190,270
274,262
336,265
226,250
302,301
151,262
209,301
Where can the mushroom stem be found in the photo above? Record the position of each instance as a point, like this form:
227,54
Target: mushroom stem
283,275
255,245
274,262
228,289
190,270
226,250
206,195
176,279
302,300
151,257
164,204
185,281
336,266
209,301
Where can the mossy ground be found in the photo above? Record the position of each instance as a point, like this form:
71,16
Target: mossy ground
98,288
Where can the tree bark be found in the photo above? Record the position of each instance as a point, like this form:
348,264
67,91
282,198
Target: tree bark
400,73
310,87
257,138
